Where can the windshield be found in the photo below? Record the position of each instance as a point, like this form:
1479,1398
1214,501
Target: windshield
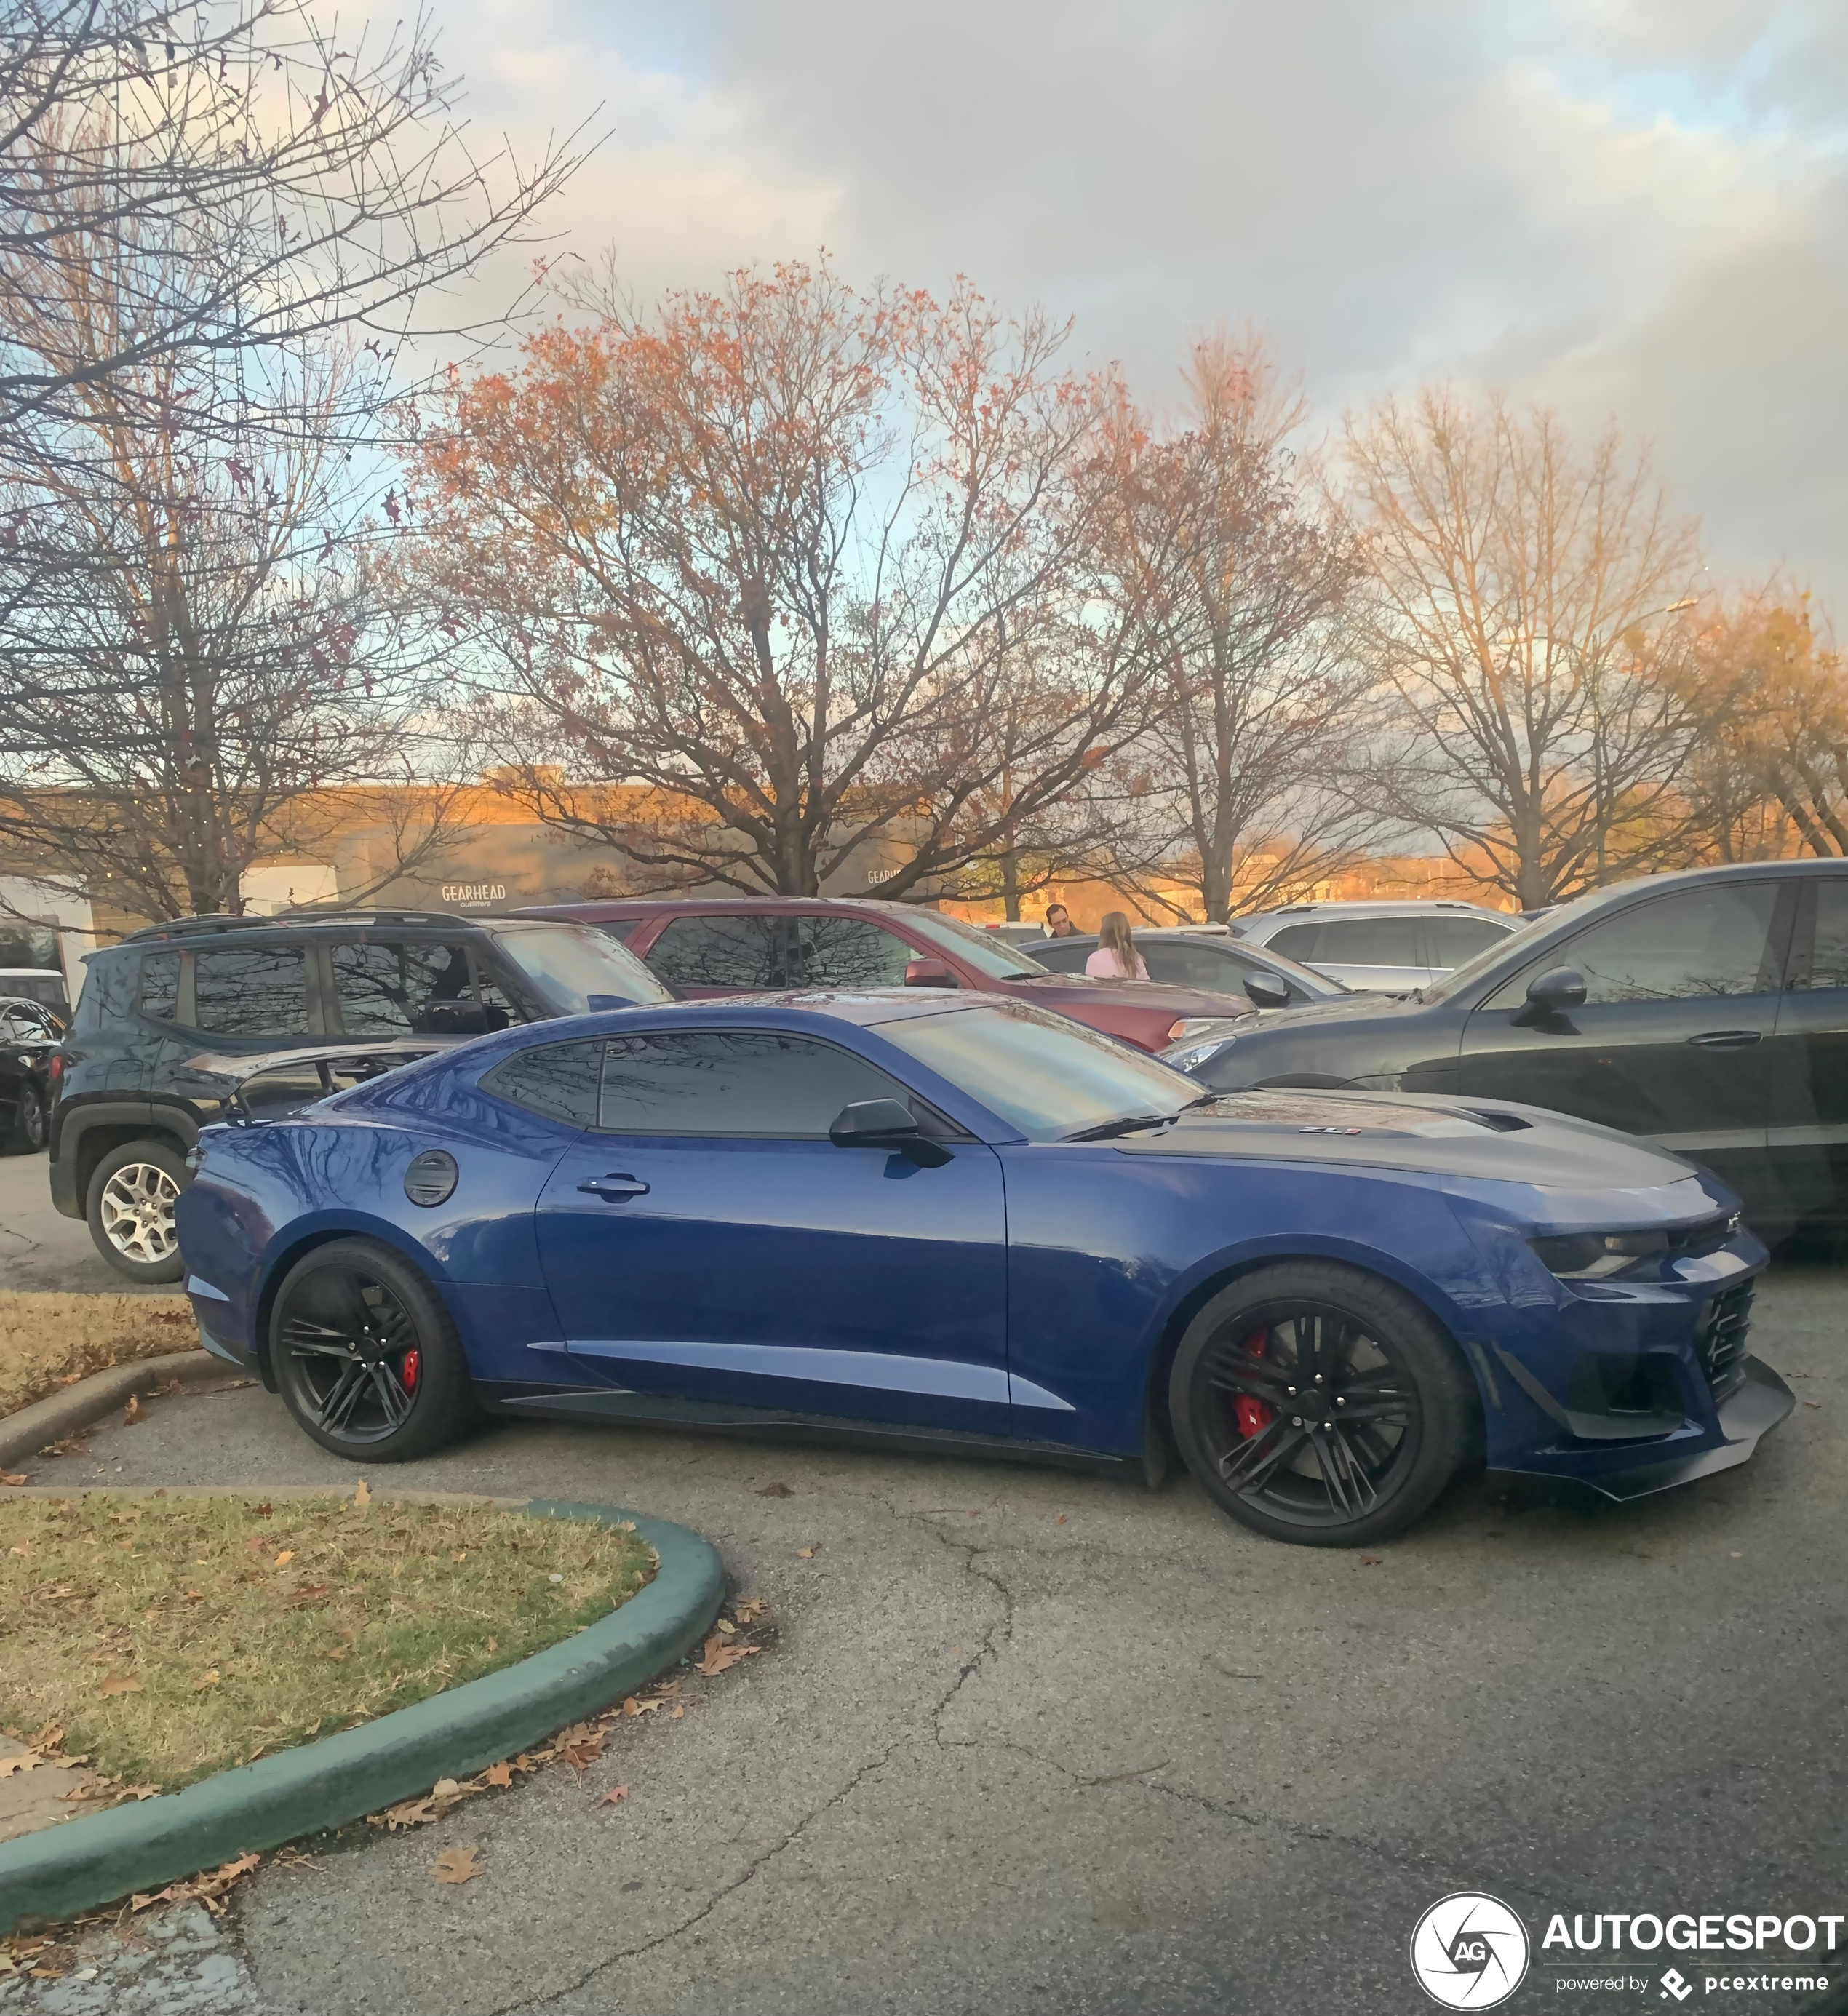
1051,1077
989,953
577,970
1511,950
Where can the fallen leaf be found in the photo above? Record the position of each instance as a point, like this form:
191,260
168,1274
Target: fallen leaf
139,1792
720,1657
13,1477
71,1445
497,1774
805,1553
457,1865
30,1762
1812,1403
133,1412
118,1684
25,1553
445,1788
208,1678
1370,1560
675,1712
284,1558
727,1629
776,1491
408,1813
257,1511
492,1647
460,1556
255,1544
748,1609
363,1496
1060,1520
615,1794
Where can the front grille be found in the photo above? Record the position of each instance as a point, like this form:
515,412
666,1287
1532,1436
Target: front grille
1721,1339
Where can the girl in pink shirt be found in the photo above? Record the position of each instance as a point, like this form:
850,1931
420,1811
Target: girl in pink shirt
1116,957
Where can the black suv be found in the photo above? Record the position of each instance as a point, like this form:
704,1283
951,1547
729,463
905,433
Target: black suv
135,1080
1707,1012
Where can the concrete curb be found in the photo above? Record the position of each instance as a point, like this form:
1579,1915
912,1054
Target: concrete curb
51,1420
83,1864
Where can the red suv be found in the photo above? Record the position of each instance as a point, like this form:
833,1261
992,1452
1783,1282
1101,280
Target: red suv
743,945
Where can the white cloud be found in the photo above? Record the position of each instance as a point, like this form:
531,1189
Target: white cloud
1636,206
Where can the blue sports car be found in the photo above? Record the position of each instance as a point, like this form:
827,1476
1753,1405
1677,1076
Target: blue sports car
957,1221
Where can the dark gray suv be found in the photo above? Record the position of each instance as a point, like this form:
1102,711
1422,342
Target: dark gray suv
135,1079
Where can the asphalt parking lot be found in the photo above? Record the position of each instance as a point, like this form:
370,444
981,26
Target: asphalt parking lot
1027,1741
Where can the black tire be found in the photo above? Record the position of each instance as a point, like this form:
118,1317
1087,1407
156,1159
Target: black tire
29,1126
1393,1413
129,1209
366,1357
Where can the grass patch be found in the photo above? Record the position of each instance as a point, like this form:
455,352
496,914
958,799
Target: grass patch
171,1638
47,1341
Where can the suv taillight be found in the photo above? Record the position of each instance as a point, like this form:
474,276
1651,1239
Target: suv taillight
57,1066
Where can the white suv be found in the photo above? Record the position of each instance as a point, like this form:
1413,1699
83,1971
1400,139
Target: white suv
1380,947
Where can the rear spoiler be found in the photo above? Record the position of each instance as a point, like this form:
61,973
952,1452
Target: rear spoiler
322,1061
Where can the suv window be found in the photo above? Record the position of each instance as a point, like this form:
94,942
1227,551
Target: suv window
1369,941
1455,939
849,952
1194,966
1068,955
1701,943
250,991
741,950
159,985
406,989
732,1083
559,1081
1296,941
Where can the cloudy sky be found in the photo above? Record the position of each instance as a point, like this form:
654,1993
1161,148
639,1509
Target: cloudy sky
1636,207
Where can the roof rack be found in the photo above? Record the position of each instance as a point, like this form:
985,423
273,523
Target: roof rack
204,926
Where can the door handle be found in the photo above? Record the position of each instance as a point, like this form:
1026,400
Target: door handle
613,1188
1726,1039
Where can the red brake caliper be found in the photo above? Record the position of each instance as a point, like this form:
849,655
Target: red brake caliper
1251,1414
411,1366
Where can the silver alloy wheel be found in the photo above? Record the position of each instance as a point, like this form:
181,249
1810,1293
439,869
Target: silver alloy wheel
136,1208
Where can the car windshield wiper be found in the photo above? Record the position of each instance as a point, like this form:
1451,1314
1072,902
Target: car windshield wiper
1132,1124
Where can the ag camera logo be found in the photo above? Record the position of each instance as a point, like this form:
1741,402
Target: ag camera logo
1469,1951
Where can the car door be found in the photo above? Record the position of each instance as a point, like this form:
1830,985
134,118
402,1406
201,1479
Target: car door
846,953
706,1240
1210,968
1673,1042
702,953
1806,1141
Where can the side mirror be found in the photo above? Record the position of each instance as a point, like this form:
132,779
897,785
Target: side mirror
1264,990
1553,992
923,973
885,1123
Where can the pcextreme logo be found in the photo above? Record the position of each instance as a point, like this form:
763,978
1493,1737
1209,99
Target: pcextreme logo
1469,1951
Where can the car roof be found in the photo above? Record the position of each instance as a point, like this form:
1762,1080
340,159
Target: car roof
647,906
1386,906
216,928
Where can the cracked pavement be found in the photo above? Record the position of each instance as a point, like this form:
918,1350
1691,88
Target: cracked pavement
1029,1741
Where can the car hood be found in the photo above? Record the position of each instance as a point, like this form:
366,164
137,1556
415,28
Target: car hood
1465,1143
1354,1006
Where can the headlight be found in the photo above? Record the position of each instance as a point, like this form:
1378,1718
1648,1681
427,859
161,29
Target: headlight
1588,1256
1188,1058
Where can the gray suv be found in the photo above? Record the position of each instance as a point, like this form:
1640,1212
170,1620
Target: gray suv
1383,948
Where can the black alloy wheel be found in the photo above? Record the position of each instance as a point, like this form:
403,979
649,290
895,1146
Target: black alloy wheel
367,1359
1320,1404
29,1129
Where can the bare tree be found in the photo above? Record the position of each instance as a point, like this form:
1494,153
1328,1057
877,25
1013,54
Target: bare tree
1247,581
1523,613
812,568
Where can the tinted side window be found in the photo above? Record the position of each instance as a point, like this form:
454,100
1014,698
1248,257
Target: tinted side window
849,952
1701,943
1367,942
732,1083
1064,955
1455,939
160,983
742,951
1193,966
250,991
402,990
1296,941
1827,963
559,1081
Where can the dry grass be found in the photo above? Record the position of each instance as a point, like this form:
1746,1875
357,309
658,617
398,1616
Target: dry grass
47,1341
167,1638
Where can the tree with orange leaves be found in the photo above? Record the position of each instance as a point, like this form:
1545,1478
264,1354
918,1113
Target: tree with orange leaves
815,566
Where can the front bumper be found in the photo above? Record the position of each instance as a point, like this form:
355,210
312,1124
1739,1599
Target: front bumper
1756,1405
